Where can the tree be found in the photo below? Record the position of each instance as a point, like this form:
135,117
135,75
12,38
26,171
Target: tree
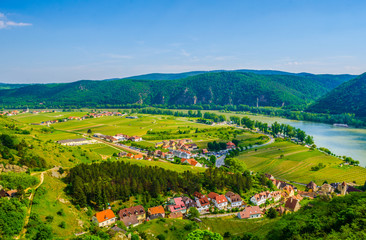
160,237
89,131
204,234
62,224
309,140
272,213
193,213
236,166
213,159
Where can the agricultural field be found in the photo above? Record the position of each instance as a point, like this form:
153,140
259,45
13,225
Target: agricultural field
48,116
293,162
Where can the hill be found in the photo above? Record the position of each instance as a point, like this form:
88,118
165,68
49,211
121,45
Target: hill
349,97
217,88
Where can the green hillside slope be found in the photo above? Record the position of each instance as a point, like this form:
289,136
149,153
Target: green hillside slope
350,97
219,88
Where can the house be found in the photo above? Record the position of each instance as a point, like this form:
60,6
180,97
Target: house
212,195
191,161
289,190
230,145
12,193
110,138
132,216
261,198
75,142
203,205
138,156
176,215
156,212
122,154
116,229
190,147
104,218
234,199
326,188
279,184
177,205
182,153
130,155
269,176
250,212
220,201
312,187
276,196
281,210
344,188
135,139
189,202
292,204
159,144
204,151
198,195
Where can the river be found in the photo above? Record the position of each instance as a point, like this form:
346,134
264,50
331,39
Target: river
349,142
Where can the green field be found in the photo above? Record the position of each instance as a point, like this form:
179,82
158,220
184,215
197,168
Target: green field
296,163
41,117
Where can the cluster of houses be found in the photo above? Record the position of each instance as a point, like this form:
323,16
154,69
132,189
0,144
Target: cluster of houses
10,113
76,142
340,189
174,208
184,144
120,137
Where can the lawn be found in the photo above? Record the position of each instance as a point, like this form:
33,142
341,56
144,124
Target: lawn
49,200
293,162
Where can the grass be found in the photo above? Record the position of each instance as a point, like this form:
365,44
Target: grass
52,201
237,227
296,162
41,117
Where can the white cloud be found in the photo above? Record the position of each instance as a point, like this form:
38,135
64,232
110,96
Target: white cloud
5,23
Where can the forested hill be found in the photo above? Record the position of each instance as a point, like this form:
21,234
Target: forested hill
350,97
326,80
219,88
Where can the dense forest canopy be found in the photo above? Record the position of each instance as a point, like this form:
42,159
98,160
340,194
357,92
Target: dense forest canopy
220,88
347,98
99,183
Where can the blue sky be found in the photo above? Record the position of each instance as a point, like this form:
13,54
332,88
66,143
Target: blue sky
68,40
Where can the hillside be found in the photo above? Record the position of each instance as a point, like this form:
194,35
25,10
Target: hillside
347,98
219,88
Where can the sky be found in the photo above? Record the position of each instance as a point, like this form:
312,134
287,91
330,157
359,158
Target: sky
43,41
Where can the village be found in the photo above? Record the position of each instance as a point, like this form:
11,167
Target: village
285,200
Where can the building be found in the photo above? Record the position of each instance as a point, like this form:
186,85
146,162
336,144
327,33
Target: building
250,212
212,195
138,156
176,215
230,145
75,142
104,218
198,195
191,161
122,154
189,202
292,204
220,202
132,216
326,188
312,187
135,139
276,196
182,153
156,212
203,205
261,198
177,205
234,199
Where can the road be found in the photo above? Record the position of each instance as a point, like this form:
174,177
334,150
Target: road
220,161
217,215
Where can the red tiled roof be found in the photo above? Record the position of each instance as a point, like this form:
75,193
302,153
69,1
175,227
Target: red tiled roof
248,211
220,199
212,195
156,210
204,201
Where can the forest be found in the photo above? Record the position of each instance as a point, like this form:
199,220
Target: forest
99,183
339,218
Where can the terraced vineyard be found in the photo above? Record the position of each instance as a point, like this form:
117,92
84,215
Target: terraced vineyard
293,162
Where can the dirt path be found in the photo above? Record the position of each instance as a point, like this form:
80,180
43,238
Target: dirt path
31,197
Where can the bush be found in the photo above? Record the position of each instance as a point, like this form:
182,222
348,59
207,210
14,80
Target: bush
160,237
62,224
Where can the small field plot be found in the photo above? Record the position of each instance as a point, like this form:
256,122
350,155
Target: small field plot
42,117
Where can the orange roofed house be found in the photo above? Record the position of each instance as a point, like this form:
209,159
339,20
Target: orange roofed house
156,212
191,161
104,218
250,212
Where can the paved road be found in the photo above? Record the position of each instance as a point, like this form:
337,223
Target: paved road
220,161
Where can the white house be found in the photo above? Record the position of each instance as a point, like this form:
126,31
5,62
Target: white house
260,198
203,205
220,201
234,199
104,218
